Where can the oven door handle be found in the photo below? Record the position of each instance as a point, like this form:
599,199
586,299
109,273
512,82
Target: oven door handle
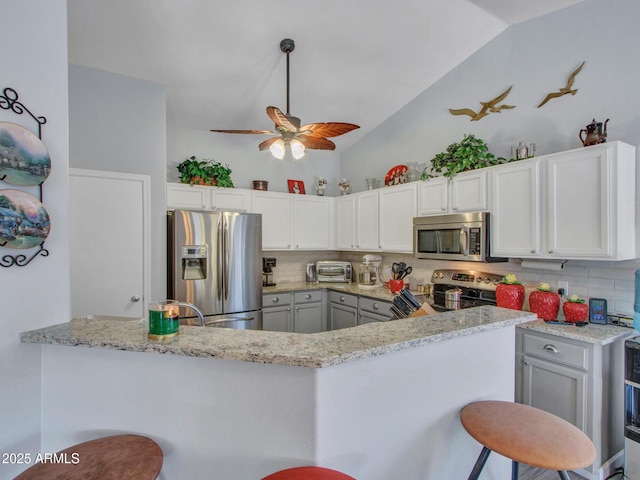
464,240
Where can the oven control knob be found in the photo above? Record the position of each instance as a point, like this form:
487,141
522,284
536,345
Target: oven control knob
435,274
487,280
441,275
496,282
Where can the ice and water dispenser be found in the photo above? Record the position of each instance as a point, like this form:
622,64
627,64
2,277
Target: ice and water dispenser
194,262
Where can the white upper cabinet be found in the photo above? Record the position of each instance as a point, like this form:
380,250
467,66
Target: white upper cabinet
367,220
346,222
578,204
465,192
398,206
195,197
276,209
312,222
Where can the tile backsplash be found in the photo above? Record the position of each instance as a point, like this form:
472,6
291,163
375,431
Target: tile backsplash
614,281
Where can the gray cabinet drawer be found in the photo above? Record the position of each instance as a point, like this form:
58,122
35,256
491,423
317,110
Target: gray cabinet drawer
343,299
308,296
375,306
275,299
556,349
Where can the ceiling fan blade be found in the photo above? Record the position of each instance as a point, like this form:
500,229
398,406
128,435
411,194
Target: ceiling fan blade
281,120
269,132
267,143
316,143
328,130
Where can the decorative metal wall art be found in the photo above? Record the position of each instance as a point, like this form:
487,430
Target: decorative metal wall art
487,107
24,161
566,89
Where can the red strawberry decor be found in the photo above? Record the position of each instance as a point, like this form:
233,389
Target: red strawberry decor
575,309
510,293
544,302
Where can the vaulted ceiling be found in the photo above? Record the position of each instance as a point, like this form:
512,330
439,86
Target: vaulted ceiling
355,61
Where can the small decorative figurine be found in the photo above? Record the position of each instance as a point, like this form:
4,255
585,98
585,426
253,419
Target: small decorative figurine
320,186
344,187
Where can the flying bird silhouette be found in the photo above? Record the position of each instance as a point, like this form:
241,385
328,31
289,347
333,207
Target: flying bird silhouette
487,107
567,89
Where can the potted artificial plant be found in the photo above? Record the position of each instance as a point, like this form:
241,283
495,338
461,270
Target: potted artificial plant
468,154
204,172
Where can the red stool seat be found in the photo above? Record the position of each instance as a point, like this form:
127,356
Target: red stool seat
119,457
308,473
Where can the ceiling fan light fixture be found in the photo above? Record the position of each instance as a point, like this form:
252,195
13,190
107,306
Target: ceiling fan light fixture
297,148
278,149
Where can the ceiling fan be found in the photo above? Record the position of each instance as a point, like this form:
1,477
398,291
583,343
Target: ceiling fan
299,138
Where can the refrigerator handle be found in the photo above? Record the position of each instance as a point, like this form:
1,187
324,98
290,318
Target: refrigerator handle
227,255
220,259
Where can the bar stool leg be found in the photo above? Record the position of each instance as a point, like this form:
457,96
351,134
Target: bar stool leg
477,468
515,467
563,475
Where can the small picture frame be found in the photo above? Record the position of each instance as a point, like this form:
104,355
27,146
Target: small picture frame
296,186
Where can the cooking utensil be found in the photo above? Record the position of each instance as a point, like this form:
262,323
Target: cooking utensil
452,298
406,272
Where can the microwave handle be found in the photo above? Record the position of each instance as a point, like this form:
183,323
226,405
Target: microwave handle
464,240
438,242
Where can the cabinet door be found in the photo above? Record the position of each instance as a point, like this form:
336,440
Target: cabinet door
342,316
578,198
311,223
308,318
276,218
188,197
346,222
398,206
469,192
556,389
368,317
515,210
367,221
233,199
433,196
277,319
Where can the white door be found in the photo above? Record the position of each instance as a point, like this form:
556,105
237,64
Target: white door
109,243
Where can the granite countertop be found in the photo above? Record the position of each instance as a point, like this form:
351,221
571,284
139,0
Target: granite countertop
590,333
381,293
323,349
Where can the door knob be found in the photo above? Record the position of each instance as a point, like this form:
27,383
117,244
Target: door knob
135,298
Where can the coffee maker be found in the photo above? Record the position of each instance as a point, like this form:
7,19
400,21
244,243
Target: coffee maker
267,271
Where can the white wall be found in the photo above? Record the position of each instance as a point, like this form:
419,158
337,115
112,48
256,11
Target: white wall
34,63
118,124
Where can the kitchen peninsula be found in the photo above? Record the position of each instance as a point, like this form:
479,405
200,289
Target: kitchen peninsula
377,401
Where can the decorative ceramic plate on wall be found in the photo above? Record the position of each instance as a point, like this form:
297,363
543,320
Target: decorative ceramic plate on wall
24,160
24,222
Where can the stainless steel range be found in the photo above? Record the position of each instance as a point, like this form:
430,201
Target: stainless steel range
456,289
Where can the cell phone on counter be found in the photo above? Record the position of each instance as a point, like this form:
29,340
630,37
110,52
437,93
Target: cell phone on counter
598,310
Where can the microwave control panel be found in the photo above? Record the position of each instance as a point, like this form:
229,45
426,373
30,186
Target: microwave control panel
475,241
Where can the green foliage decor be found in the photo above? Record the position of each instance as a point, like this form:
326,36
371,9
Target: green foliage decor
469,154
204,172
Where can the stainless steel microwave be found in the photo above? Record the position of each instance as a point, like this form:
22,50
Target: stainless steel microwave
459,236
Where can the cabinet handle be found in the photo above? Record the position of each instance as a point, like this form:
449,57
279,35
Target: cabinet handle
443,208
288,309
308,296
551,250
297,308
533,250
551,348
135,298
455,207
375,306
275,299
297,246
342,299
525,362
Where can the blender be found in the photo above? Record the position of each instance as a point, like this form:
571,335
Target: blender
369,274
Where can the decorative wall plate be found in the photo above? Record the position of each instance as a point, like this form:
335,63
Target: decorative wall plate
24,160
24,222
396,175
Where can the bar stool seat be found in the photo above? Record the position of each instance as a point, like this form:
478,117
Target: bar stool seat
527,435
119,457
308,473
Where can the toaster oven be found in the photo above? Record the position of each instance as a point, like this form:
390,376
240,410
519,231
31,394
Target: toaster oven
333,271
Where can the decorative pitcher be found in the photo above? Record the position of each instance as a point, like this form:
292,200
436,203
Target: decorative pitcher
596,132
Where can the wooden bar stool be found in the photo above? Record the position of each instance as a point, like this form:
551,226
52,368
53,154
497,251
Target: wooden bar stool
526,435
119,457
308,473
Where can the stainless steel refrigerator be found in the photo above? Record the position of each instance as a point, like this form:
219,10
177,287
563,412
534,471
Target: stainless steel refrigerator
214,262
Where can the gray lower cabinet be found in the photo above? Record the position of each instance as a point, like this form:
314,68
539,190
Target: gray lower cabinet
581,382
343,310
308,312
277,313
371,310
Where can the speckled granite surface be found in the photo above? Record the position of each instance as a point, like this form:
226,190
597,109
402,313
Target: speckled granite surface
304,350
591,333
381,293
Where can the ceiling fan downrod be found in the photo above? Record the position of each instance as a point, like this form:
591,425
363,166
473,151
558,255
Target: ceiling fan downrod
287,46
